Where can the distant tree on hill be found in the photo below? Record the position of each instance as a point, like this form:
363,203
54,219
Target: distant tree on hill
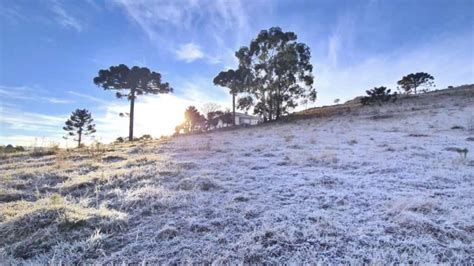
80,124
378,95
410,83
10,149
134,81
193,120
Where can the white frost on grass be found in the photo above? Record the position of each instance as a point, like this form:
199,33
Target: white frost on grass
375,186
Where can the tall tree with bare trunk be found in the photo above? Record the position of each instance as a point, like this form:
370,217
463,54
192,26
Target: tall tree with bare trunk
131,82
410,83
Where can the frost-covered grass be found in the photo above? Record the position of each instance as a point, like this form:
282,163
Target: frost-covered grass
384,184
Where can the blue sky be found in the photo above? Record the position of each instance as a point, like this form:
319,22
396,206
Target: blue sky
50,50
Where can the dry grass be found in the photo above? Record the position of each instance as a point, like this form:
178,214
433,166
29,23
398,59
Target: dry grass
263,195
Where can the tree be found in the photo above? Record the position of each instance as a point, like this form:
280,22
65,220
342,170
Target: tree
235,80
212,119
193,120
276,74
210,107
378,95
135,81
80,123
227,118
412,81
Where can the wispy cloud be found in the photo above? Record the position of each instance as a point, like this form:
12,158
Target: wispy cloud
341,38
56,100
189,52
88,97
171,23
18,119
26,93
64,18
11,13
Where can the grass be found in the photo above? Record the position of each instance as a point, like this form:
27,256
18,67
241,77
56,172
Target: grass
335,197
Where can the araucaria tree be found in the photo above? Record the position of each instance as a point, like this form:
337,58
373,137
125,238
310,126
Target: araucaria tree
410,83
275,74
80,124
378,95
235,80
131,82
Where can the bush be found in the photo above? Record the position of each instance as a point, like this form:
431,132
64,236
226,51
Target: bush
10,149
145,137
378,95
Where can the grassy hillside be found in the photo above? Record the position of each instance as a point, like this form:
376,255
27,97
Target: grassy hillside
369,184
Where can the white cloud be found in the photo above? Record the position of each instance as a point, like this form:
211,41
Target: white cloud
85,96
26,93
64,18
56,100
341,38
223,23
189,52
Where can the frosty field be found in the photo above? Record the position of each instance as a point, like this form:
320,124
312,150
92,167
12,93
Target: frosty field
378,184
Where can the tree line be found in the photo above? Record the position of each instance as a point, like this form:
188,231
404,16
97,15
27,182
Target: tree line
274,75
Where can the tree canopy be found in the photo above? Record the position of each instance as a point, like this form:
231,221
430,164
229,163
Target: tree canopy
131,82
410,83
235,80
275,74
79,123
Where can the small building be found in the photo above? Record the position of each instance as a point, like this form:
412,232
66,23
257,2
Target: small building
242,119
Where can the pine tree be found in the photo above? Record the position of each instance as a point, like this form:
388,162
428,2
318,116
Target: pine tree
79,124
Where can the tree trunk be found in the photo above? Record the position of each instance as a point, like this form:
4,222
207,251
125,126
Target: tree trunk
79,139
233,109
270,103
277,98
132,108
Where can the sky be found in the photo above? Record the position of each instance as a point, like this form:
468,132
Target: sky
50,51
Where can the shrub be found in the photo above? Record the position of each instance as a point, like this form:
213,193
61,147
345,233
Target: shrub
10,149
378,95
145,137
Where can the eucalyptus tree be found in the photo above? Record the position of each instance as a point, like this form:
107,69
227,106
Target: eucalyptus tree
278,74
411,82
79,124
130,83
